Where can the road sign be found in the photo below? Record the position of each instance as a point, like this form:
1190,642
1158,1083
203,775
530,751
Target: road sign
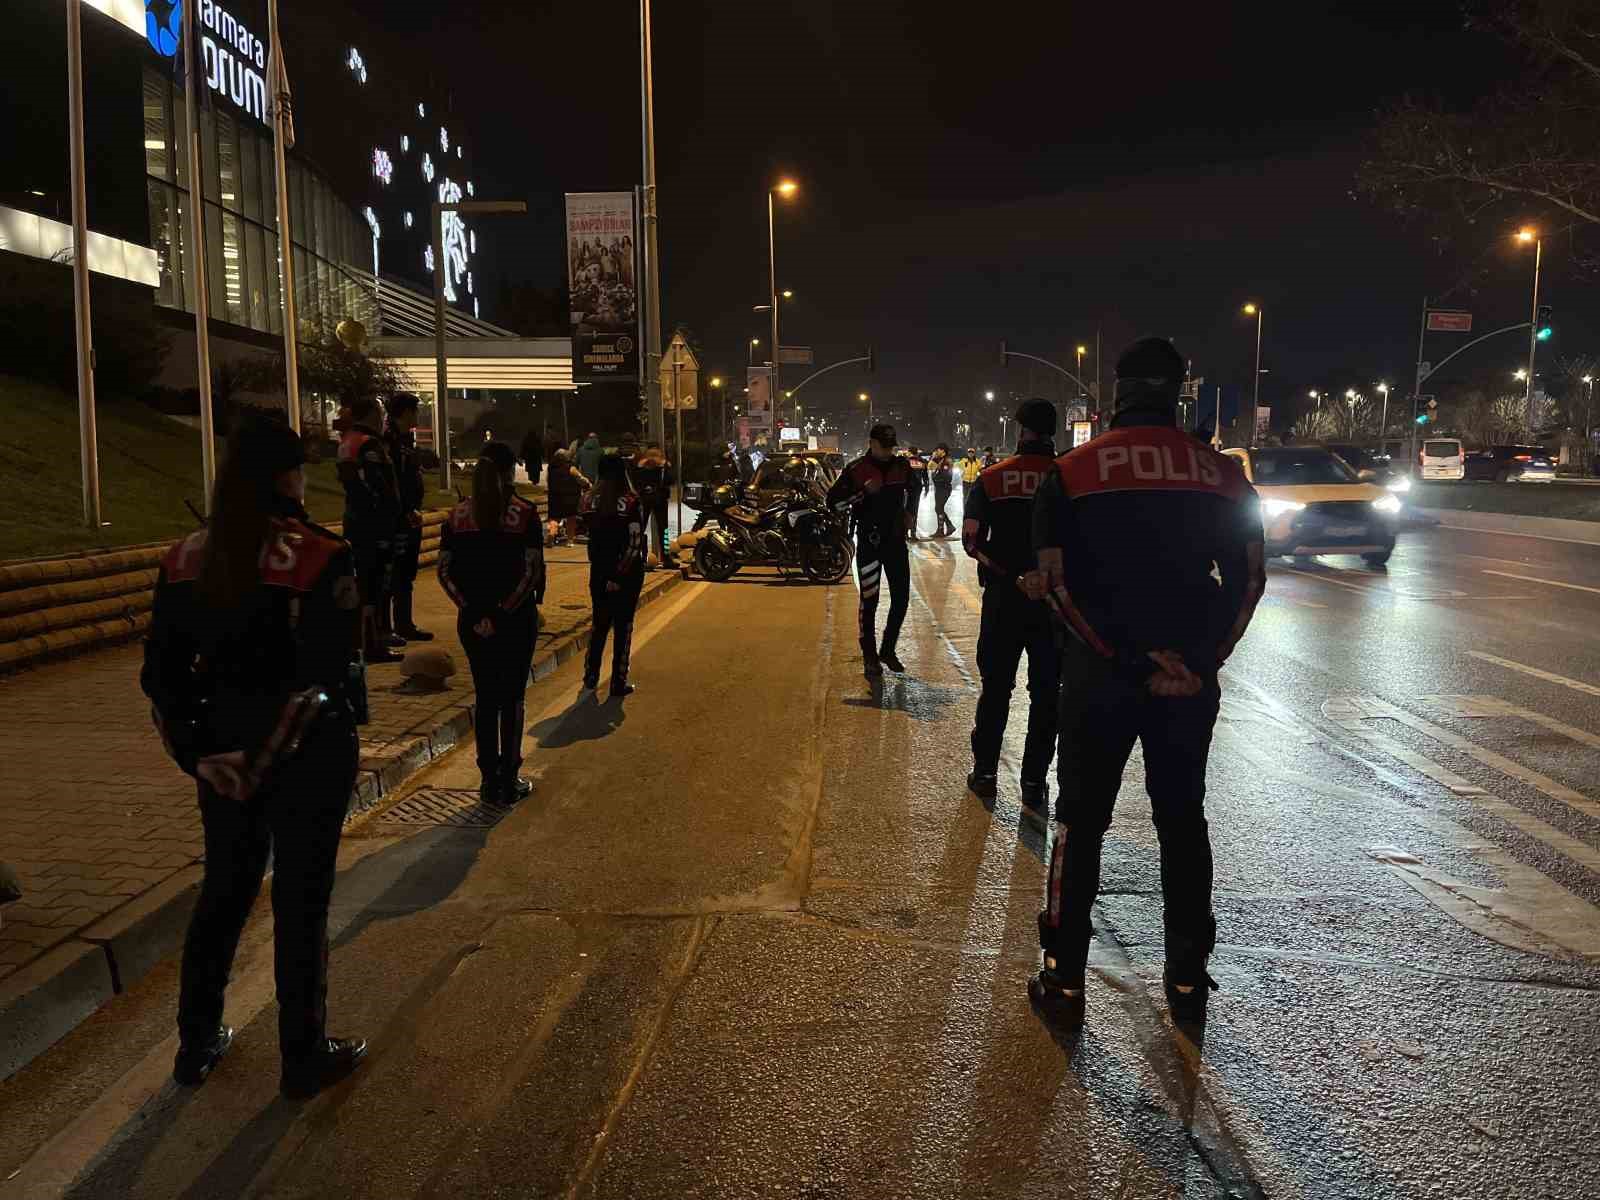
687,384
798,356
1449,321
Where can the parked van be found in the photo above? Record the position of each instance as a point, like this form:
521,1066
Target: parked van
1441,458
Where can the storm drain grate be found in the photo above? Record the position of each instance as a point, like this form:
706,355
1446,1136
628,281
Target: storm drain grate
443,806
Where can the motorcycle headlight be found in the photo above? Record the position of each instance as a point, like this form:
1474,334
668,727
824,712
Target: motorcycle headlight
1388,504
1400,484
1272,508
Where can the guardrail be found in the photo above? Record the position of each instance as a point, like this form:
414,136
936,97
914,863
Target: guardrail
50,608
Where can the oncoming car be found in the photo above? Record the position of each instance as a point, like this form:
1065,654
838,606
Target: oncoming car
1312,502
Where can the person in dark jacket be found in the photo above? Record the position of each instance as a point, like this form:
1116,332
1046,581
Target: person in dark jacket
565,489
652,480
917,484
254,628
491,565
616,575
942,475
372,519
1151,549
997,530
401,442
588,456
878,490
531,456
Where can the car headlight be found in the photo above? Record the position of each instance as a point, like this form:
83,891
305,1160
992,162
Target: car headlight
1388,504
1271,507
1400,484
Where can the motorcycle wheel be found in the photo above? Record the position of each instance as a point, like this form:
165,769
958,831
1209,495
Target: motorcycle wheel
713,562
827,563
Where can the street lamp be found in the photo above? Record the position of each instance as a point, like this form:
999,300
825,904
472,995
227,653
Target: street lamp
1082,350
785,188
722,404
1383,421
866,399
1520,374
754,342
1525,235
1317,396
1255,310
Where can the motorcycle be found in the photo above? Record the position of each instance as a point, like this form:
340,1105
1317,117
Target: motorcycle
798,535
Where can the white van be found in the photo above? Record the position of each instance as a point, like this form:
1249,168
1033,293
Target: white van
1441,458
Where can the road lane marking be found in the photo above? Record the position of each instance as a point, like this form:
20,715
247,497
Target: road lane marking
1493,706
1298,603
1576,685
1577,587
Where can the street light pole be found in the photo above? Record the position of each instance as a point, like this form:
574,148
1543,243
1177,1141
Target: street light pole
772,280
652,253
1259,313
1383,421
1529,235
88,438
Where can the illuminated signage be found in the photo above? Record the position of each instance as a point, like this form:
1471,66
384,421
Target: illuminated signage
234,58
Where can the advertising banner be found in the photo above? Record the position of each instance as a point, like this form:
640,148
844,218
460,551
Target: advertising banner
1263,420
759,399
603,285
1449,321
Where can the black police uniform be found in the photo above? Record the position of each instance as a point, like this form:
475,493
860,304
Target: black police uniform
943,476
998,524
652,480
407,546
616,555
268,678
372,517
496,574
1142,515
881,495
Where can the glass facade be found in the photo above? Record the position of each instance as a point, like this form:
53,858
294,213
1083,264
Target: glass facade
241,223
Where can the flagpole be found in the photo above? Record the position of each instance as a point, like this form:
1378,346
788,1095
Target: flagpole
88,441
282,114
192,83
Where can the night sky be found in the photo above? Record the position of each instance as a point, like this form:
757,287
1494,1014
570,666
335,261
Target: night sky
1033,171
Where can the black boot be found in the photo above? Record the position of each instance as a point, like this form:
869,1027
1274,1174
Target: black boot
1035,800
404,621
332,1061
887,656
983,783
195,1060
1057,998
870,666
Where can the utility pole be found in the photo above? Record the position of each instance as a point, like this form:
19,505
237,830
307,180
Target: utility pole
196,250
280,139
88,437
651,364
1416,391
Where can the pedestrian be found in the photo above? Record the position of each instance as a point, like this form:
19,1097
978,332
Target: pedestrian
878,489
917,485
532,456
248,667
589,455
942,475
1128,531
997,530
652,476
616,575
971,465
372,520
989,456
565,497
491,565
401,442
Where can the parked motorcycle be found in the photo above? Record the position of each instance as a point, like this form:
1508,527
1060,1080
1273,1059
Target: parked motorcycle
798,535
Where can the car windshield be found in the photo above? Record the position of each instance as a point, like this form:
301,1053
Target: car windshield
1298,466
1441,449
1354,455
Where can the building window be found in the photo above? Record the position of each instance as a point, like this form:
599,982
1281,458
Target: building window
157,153
228,178
167,239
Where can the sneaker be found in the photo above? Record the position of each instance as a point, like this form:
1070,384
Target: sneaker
1187,1001
394,641
1035,800
416,635
335,1059
888,658
513,791
1056,999
194,1062
985,785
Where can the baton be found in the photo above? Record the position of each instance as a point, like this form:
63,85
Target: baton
1050,599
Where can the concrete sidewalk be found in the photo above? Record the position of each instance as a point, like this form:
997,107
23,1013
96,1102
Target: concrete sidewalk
104,831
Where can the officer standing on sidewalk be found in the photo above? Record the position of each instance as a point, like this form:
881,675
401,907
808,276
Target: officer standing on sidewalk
997,530
401,442
880,489
1151,549
247,665
371,518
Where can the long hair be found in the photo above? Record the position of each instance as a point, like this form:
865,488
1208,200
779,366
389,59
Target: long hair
613,483
242,505
491,487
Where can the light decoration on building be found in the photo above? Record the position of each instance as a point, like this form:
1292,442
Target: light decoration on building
422,111
458,151
475,311
471,191
405,143
469,283
472,240
444,140
358,68
456,239
427,166
382,165
427,259
406,217
372,222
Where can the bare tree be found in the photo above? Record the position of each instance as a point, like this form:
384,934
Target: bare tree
1318,425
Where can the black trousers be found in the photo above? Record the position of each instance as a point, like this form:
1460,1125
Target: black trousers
296,819
655,511
941,497
500,666
613,614
879,559
403,576
1010,626
374,573
1102,714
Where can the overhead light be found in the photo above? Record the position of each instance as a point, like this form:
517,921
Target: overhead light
154,144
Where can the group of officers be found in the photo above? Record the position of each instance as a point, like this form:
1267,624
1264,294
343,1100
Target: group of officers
1126,571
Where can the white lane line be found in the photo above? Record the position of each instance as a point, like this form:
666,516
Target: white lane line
1354,587
1577,587
1298,603
1493,706
1576,685
1538,537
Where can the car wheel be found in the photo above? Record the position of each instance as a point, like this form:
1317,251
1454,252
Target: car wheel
1378,560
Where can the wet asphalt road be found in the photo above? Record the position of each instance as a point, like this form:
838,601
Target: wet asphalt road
752,938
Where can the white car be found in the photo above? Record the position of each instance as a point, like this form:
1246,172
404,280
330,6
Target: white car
1441,458
1312,503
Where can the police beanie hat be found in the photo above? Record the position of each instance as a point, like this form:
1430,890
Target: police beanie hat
1038,416
1151,358
500,454
264,445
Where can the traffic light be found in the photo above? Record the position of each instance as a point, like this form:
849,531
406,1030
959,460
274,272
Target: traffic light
1542,325
1422,418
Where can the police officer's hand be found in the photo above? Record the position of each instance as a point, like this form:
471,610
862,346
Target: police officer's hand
414,519
1032,584
1174,679
613,586
485,627
226,774
1050,568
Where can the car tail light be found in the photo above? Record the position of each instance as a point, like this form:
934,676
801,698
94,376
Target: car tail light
1523,457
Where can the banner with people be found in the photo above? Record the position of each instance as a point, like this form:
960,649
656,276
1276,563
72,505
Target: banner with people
603,283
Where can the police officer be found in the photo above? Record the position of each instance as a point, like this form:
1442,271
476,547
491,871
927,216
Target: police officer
491,565
255,625
401,443
879,488
917,486
616,575
1128,531
997,530
372,517
651,473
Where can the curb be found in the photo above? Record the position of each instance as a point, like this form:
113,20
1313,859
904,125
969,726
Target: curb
51,996
1556,529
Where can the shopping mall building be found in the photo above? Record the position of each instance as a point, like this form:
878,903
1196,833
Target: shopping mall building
377,142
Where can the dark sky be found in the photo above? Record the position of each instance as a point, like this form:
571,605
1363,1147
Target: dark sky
1034,171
